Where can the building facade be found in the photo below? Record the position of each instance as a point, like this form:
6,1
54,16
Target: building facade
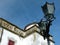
13,35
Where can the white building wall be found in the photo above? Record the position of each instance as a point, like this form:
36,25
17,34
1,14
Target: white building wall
33,39
8,35
51,43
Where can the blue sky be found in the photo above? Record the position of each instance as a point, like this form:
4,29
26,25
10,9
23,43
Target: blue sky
23,12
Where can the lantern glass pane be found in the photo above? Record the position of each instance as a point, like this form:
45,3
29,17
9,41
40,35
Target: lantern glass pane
50,9
43,25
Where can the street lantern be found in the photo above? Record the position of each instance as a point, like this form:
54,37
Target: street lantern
42,24
48,10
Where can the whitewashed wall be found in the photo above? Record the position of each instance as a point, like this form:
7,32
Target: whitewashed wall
33,39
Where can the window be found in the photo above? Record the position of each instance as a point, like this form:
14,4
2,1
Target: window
11,42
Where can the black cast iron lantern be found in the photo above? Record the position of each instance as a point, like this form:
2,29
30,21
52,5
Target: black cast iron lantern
43,25
48,10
